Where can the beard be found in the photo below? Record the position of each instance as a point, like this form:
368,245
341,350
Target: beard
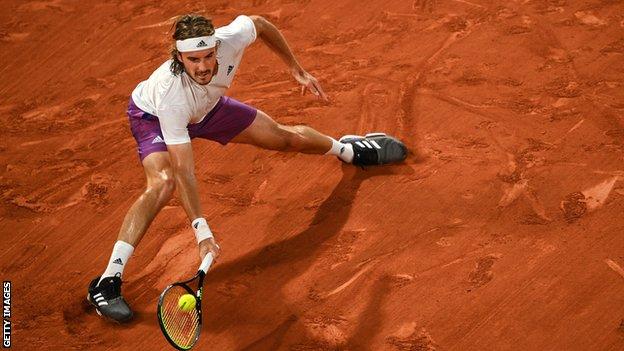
207,78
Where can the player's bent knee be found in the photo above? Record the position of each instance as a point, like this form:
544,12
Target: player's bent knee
163,183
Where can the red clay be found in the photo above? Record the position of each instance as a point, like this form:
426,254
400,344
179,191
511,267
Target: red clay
503,231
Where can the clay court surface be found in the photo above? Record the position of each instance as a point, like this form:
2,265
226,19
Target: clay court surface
503,230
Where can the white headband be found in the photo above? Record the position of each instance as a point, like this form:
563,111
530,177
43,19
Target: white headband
196,44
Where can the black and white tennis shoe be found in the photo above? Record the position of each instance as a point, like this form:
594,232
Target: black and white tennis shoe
375,149
107,300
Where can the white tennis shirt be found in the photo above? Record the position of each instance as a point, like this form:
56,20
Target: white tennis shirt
178,101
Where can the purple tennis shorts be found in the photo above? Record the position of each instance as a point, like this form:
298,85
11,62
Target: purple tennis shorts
226,120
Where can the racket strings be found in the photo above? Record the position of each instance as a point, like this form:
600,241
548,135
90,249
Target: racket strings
182,327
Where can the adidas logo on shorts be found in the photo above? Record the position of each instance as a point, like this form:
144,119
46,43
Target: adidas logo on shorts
158,139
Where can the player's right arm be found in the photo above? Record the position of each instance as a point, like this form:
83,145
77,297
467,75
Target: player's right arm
184,169
184,173
174,118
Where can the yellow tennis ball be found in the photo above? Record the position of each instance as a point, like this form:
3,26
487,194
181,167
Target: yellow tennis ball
186,302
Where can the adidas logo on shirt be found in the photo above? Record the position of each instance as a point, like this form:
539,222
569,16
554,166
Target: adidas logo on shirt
201,44
230,68
118,261
158,139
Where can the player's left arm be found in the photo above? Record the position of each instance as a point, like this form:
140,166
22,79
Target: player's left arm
274,39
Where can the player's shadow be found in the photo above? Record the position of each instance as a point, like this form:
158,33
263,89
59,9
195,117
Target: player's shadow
250,288
331,216
370,321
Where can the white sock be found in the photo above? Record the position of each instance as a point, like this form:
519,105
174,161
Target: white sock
343,151
120,256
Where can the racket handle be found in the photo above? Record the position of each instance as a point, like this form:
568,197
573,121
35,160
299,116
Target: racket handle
206,262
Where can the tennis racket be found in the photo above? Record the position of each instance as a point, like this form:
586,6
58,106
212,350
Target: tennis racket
182,328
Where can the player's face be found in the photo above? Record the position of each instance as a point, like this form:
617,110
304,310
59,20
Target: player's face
200,65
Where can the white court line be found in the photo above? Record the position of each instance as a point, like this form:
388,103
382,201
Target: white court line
348,282
616,267
469,3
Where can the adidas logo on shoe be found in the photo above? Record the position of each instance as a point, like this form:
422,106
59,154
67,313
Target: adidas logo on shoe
106,297
368,144
100,300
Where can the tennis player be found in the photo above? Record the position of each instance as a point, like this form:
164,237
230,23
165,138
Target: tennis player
185,98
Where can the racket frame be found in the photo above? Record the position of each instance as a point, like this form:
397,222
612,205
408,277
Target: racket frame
201,274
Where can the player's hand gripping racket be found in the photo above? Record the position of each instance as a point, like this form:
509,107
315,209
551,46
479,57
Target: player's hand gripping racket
179,320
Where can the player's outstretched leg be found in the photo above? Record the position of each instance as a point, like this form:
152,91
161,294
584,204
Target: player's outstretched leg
372,149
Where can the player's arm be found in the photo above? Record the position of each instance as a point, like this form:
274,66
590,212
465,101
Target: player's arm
274,39
184,172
